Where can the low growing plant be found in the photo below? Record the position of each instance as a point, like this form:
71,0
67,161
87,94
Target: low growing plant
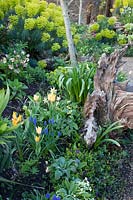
78,81
104,132
65,168
76,190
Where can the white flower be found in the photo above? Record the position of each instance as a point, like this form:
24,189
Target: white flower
53,90
12,59
58,98
4,60
22,52
10,66
45,100
28,55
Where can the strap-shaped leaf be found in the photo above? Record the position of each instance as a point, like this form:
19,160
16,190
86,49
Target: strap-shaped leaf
82,88
4,98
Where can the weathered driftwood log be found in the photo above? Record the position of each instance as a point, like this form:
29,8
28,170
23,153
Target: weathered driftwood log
110,101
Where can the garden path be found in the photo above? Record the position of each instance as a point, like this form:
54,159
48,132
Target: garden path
128,67
127,168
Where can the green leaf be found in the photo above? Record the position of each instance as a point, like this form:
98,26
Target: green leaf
4,97
58,174
111,141
69,86
82,88
3,127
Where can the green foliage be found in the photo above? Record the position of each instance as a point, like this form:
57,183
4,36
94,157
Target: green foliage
45,125
102,169
121,76
42,64
64,168
14,61
103,30
4,98
124,9
102,133
5,146
75,190
93,48
29,167
17,89
38,23
33,75
53,76
77,81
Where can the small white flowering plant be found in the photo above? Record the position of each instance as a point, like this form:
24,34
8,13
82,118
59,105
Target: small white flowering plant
76,189
15,60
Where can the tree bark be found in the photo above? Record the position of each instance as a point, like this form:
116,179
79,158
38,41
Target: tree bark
110,101
80,12
109,5
68,33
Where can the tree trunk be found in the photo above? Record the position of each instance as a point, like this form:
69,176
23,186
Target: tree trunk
80,12
68,33
110,101
109,5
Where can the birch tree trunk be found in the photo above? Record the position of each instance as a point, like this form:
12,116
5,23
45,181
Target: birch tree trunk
80,12
68,33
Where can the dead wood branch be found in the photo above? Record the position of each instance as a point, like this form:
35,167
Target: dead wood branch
110,101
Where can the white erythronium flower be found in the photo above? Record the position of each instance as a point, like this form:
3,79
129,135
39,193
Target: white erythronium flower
58,98
45,100
53,90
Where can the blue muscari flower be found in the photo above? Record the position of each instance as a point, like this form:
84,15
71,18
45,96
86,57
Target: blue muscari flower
45,131
33,120
47,196
56,198
45,123
51,121
59,133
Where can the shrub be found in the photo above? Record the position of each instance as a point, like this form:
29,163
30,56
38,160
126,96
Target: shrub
103,29
36,22
124,9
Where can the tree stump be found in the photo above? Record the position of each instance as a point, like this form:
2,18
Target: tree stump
110,100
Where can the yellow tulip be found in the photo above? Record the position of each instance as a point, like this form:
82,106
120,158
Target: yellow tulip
51,97
37,138
36,97
15,119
